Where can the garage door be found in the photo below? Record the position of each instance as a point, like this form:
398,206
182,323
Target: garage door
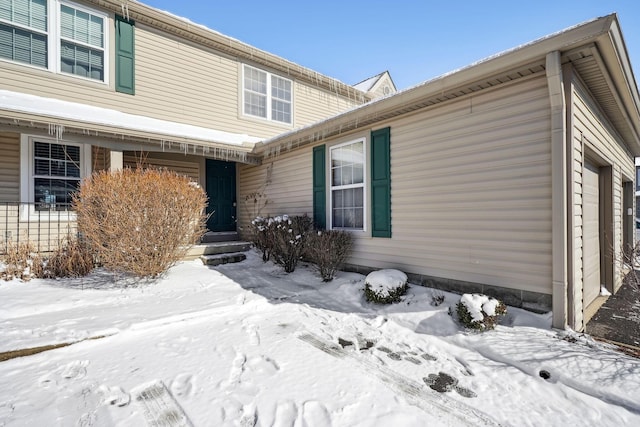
590,233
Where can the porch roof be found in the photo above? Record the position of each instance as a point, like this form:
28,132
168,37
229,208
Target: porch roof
59,117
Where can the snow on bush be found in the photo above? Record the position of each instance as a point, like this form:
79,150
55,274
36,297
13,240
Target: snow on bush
282,238
385,286
478,311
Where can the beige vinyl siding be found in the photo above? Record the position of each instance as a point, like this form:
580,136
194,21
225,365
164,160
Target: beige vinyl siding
592,133
286,183
176,81
9,167
470,190
190,166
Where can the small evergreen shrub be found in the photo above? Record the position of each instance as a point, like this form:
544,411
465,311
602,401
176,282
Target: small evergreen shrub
282,238
72,259
385,286
289,238
21,261
140,221
262,230
328,250
477,311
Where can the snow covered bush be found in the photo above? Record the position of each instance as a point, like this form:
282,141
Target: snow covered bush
262,230
289,239
385,286
140,221
328,250
21,261
477,311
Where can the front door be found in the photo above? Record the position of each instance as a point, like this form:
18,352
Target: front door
221,190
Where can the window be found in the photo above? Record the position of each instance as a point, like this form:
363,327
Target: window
347,185
52,171
266,95
23,31
81,43
56,174
55,35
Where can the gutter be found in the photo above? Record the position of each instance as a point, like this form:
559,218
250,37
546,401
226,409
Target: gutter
559,224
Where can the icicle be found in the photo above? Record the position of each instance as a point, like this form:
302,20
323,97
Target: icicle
125,9
56,130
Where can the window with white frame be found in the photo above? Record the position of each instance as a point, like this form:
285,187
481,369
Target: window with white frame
56,174
56,35
24,31
266,95
347,185
81,43
51,171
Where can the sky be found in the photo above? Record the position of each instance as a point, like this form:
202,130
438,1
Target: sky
415,41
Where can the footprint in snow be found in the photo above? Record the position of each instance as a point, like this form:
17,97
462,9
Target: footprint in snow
315,414
71,371
252,330
114,396
443,383
182,385
286,414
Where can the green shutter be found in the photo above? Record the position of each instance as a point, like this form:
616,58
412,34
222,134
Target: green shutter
319,191
125,73
381,183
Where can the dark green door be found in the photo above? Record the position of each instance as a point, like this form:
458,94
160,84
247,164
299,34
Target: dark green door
221,189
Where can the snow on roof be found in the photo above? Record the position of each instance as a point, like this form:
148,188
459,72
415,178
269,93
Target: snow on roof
367,84
19,102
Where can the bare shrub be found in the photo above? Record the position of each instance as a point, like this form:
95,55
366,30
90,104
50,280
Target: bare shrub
73,258
21,261
328,250
140,221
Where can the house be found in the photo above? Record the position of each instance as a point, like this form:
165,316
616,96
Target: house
102,84
377,86
513,176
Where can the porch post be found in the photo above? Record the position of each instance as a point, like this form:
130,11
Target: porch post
115,160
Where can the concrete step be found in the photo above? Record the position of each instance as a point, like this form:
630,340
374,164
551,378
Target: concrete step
220,236
220,259
216,248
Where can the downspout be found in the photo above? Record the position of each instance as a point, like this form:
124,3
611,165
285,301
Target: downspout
558,190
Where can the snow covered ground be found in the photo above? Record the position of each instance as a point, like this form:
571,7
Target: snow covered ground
246,344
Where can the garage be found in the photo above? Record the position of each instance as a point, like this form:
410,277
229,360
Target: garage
591,233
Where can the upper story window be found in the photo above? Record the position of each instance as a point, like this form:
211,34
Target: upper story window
55,35
23,31
266,95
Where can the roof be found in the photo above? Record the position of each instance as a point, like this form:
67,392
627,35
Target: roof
74,117
595,48
202,35
368,84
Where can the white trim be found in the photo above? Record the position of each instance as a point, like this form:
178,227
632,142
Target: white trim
363,185
27,191
268,95
54,38
55,28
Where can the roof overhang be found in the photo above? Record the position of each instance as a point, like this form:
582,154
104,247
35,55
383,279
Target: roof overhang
113,128
204,36
599,40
